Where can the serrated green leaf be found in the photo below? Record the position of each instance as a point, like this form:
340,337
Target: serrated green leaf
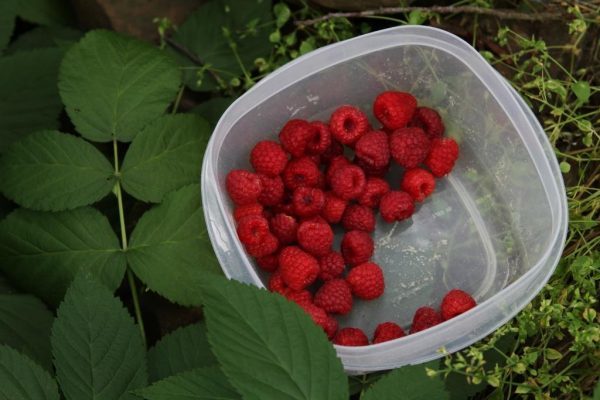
212,109
53,171
132,84
268,347
582,91
25,326
8,12
46,12
165,156
44,37
42,252
29,100
199,384
181,350
170,250
407,383
97,348
23,379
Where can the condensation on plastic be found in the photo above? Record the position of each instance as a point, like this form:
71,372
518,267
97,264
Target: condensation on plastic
494,227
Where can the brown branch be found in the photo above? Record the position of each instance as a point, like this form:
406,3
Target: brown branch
189,54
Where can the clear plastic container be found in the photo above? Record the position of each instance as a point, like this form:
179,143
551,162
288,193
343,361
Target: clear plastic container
494,227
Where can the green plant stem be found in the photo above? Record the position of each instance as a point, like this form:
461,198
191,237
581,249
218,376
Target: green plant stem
178,99
130,277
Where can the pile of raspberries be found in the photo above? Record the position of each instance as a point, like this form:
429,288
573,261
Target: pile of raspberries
305,183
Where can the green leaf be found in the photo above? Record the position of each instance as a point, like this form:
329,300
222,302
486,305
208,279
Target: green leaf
597,391
42,252
8,12
53,171
557,87
97,348
407,383
268,347
170,250
212,109
22,379
29,100
112,85
25,326
199,384
44,37
582,91
282,14
165,156
46,12
182,350
565,167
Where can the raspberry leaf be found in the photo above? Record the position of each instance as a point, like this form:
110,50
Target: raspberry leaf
165,156
285,355
45,37
198,384
8,12
42,252
46,12
170,250
97,348
182,350
407,383
53,171
112,86
23,379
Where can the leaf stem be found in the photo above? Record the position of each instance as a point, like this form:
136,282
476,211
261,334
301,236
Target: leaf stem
178,99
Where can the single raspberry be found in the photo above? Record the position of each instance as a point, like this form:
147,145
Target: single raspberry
308,201
387,331
252,229
430,121
366,281
268,263
409,146
425,318
333,209
284,227
373,149
351,337
331,327
456,302
396,206
321,140
357,247
273,190
332,266
268,245
335,164
315,237
442,156
276,283
418,182
334,297
243,187
348,182
370,170
301,172
334,149
375,189
394,109
348,124
246,210
359,218
318,315
298,268
295,136
299,297
268,158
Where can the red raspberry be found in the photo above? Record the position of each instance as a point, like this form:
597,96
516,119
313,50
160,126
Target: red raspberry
301,172
243,187
321,140
429,120
334,149
348,124
334,208
246,210
284,227
332,266
371,171
268,158
295,136
331,327
336,163
299,297
308,201
409,146
276,283
358,218
268,245
418,183
373,149
387,331
348,182
425,318
298,268
394,109
442,156
334,297
351,337
268,263
273,190
396,206
357,247
366,281
252,229
456,302
316,219
375,189
315,237
318,315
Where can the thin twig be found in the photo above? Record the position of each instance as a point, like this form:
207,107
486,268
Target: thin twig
189,54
